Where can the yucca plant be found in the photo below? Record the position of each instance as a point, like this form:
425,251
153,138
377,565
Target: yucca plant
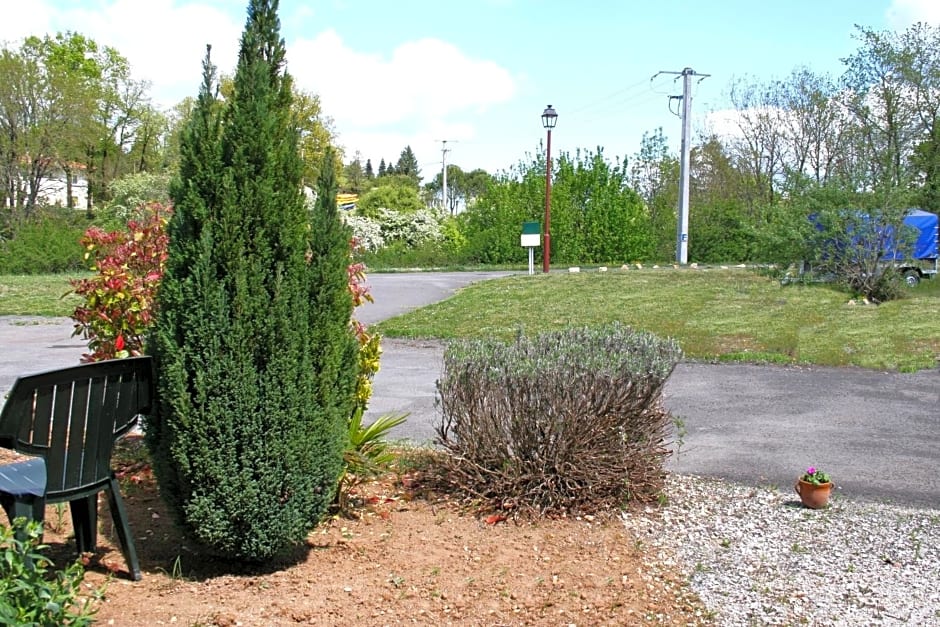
367,453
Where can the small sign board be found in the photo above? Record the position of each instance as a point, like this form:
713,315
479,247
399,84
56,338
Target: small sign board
531,234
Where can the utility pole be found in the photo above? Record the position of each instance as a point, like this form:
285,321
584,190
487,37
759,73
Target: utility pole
444,151
682,226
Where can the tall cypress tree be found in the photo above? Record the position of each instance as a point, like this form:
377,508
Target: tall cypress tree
256,364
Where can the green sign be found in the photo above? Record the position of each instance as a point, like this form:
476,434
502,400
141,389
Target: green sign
530,234
531,228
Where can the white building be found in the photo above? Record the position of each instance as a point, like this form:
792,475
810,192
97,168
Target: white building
53,189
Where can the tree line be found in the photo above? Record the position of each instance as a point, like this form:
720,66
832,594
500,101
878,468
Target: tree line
868,138
68,103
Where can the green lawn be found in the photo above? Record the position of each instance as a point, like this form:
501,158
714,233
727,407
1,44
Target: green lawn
36,295
714,314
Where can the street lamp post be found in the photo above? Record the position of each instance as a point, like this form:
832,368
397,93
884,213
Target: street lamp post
549,118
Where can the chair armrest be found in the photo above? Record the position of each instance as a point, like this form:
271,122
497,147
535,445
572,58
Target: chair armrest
122,430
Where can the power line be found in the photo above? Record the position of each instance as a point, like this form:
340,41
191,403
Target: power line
609,96
619,108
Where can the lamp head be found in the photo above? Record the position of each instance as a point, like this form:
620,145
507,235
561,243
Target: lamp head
549,117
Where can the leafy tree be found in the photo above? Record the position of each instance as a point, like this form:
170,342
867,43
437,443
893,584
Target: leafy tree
74,102
760,150
814,126
408,165
396,192
49,91
596,217
654,175
130,192
722,216
317,135
926,163
475,183
146,151
256,361
177,119
455,187
355,176
462,187
920,46
879,103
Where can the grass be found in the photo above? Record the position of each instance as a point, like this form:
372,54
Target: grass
728,315
37,295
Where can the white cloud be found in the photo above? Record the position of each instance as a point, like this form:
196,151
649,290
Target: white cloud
903,13
724,123
21,19
427,77
415,94
419,86
163,40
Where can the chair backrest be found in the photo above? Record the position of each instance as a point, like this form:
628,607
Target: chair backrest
71,417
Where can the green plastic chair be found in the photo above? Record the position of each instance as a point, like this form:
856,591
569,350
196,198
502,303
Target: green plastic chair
69,420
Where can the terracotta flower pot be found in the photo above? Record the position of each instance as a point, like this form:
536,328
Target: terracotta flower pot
813,496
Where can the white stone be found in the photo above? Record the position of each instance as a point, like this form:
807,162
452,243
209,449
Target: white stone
755,559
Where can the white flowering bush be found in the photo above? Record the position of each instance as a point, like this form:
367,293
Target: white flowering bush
412,228
366,230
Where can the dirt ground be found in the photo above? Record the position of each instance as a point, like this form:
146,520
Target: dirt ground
405,559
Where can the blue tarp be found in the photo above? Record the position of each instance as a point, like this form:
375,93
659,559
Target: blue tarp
922,236
925,246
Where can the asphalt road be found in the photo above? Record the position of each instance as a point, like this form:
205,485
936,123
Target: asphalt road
876,433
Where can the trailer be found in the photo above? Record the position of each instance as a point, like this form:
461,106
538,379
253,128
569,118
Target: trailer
922,262
917,259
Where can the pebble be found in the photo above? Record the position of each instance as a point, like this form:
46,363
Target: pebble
756,556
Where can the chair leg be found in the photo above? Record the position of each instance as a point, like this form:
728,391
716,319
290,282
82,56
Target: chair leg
85,523
30,508
123,528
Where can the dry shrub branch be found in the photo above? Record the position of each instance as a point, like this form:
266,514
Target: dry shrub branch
566,422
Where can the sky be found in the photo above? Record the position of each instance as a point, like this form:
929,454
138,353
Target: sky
479,73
